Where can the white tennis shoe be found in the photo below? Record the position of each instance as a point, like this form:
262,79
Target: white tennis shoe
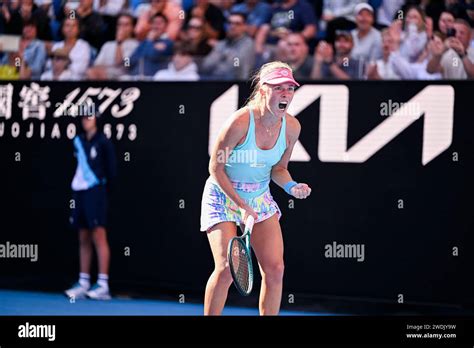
98,292
77,291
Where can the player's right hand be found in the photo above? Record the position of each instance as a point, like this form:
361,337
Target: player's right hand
245,211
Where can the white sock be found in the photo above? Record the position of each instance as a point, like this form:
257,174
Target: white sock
103,280
85,280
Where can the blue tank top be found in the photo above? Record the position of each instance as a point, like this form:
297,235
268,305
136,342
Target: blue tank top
249,167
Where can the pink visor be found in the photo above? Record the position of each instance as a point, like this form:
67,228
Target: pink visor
278,76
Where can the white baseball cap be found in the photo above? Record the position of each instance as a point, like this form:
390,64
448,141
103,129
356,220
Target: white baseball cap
363,6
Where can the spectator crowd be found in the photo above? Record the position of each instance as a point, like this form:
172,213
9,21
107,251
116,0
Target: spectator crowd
189,40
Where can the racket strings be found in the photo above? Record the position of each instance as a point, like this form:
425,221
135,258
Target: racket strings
240,265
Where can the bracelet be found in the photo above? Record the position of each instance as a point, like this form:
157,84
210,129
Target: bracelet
289,185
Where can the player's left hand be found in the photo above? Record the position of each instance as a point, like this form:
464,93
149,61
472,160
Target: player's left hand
300,191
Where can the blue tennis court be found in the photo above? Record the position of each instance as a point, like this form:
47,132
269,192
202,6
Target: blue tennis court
42,303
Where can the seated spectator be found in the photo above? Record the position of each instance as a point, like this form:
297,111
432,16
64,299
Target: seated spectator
181,67
27,10
446,22
212,16
91,23
169,9
388,11
153,53
257,13
233,57
113,56
453,58
60,67
337,16
340,65
298,57
367,39
413,70
288,16
411,33
78,49
197,38
400,64
31,54
383,69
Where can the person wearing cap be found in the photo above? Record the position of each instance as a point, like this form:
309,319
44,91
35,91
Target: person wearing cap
367,39
337,65
59,67
252,148
95,171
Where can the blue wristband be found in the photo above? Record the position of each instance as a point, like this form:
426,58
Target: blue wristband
289,185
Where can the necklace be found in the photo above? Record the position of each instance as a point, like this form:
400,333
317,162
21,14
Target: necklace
269,130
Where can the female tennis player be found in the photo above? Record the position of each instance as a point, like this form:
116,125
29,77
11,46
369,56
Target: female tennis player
253,147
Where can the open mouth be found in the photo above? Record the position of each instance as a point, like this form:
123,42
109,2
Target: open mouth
282,105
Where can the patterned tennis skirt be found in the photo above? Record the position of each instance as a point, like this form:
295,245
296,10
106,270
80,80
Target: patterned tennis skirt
217,207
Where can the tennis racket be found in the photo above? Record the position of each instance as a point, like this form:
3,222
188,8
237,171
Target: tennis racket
239,256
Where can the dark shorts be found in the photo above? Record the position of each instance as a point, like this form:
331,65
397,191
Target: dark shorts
90,208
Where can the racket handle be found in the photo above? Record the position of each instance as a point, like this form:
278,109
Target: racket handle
249,223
